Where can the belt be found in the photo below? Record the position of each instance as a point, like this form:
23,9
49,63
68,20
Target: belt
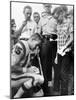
24,39
50,37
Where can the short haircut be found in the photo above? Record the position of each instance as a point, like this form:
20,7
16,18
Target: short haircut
37,37
36,13
27,7
43,14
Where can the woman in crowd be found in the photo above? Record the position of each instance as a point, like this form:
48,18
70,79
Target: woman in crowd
65,38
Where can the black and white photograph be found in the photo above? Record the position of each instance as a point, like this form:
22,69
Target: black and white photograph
41,49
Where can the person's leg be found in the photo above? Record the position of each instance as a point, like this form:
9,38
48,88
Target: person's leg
46,65
24,88
51,58
57,69
71,79
65,68
54,51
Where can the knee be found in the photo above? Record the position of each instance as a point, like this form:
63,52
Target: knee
41,79
28,84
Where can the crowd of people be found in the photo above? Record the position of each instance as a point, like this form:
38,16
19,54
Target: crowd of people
56,51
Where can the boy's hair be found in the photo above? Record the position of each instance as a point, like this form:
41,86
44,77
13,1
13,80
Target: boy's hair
27,7
36,13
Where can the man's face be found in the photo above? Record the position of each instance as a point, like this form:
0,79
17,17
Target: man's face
34,43
47,8
36,17
27,13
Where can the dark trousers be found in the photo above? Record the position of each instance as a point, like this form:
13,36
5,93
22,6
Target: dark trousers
63,73
47,55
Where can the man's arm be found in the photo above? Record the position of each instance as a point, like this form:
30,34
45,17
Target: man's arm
19,31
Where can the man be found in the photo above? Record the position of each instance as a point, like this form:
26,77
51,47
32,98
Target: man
36,17
27,27
49,47
24,75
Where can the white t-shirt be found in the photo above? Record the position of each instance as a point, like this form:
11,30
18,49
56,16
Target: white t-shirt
48,24
38,27
28,30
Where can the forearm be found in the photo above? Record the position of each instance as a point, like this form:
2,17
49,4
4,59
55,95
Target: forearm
17,69
19,31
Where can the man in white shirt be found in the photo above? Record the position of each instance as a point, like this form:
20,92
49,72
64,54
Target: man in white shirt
49,46
28,26
36,17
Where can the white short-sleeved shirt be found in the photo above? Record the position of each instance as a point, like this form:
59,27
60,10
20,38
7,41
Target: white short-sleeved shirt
28,30
38,27
48,24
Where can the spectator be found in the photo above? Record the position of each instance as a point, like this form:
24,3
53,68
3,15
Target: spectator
48,48
36,17
64,40
28,26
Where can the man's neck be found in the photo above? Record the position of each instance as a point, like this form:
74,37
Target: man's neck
48,13
37,23
28,20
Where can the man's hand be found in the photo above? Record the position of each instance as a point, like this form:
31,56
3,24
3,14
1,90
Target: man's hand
56,60
50,83
24,70
24,23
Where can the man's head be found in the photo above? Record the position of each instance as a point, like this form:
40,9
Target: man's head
19,51
47,7
27,12
43,14
35,40
36,17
